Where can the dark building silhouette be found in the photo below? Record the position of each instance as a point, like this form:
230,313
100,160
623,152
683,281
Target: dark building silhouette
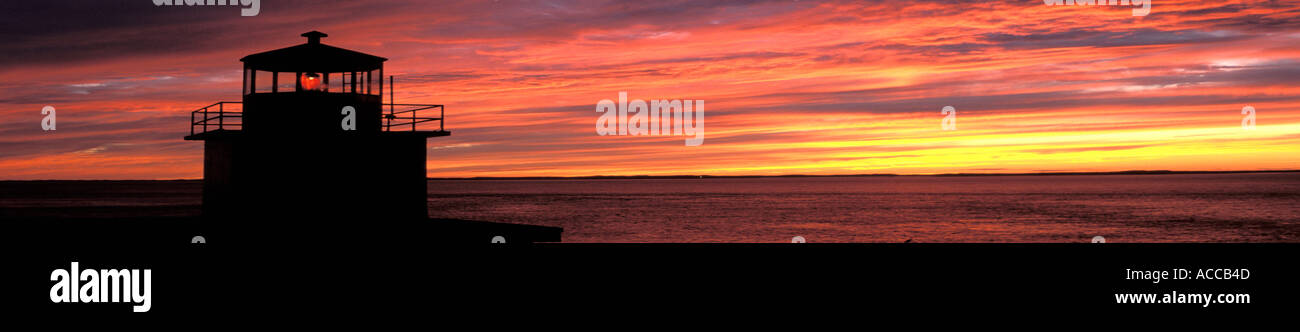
315,155
313,137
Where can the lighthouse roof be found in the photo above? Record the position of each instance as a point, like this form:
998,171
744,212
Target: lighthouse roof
313,57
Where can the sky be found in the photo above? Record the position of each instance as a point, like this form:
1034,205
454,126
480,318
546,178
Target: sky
790,87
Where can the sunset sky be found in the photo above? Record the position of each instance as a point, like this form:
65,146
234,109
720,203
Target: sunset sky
791,87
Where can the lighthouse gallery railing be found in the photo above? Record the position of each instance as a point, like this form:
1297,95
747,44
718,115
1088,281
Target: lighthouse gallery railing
218,117
213,118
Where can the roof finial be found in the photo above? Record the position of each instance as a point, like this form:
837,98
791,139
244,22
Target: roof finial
314,36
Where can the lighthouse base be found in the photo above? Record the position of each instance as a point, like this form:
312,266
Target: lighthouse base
355,176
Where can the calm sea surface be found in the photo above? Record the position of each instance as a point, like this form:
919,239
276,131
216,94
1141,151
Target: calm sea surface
1259,207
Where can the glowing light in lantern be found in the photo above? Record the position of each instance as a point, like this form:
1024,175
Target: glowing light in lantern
312,82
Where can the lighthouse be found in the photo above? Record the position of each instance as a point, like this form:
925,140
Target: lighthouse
313,138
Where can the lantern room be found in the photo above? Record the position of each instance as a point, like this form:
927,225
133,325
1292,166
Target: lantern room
313,67
311,77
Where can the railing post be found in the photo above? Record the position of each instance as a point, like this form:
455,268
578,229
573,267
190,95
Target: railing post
442,118
391,107
221,116
205,119
191,123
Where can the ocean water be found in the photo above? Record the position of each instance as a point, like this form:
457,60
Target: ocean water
1255,207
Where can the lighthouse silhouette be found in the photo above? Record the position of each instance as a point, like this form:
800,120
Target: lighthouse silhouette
313,137
314,151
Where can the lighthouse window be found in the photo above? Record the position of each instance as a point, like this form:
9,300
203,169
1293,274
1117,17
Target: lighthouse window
286,82
360,82
366,81
373,82
335,82
248,81
349,82
262,81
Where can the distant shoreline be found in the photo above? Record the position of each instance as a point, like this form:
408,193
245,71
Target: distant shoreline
638,177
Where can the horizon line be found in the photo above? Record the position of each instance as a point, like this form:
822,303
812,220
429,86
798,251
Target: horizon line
703,176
